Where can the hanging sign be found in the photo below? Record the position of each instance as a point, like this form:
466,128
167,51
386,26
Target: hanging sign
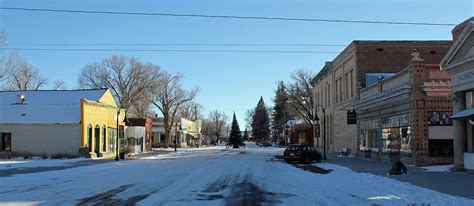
351,117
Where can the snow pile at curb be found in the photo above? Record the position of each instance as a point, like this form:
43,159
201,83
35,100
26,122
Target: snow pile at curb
437,168
30,163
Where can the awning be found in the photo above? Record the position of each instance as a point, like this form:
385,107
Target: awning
465,114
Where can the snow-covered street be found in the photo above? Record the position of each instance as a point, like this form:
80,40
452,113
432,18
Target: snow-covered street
253,176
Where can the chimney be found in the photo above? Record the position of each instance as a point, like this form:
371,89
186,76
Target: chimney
21,98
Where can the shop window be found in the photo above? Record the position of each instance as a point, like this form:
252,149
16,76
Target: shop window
112,135
440,148
391,139
405,139
363,140
439,118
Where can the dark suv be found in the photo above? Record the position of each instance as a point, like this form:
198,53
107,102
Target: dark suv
302,153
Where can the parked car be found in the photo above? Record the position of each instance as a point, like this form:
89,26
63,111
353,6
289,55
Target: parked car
301,153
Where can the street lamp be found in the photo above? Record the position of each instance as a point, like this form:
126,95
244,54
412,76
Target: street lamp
175,136
117,139
316,118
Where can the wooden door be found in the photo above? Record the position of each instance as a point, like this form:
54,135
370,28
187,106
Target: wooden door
6,141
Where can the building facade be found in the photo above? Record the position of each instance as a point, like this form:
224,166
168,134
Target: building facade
459,62
298,132
406,116
138,133
74,122
338,84
187,133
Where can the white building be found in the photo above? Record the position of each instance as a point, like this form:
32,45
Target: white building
459,63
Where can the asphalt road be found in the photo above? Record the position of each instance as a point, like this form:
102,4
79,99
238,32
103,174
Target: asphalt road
254,176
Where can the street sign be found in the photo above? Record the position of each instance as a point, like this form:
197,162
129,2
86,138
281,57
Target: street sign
351,117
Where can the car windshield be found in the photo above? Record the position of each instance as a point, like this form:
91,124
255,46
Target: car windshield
294,148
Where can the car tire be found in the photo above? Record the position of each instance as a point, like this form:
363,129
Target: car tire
319,158
288,161
305,160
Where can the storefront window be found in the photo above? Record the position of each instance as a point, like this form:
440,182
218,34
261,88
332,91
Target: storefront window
363,140
112,135
368,139
405,135
439,118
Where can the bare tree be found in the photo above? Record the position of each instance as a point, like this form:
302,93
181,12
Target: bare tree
19,75
249,117
168,98
129,79
141,108
189,109
59,85
300,94
219,120
208,129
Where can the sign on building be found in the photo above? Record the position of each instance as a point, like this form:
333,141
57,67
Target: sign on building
351,117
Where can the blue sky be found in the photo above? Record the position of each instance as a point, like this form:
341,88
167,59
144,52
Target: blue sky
228,81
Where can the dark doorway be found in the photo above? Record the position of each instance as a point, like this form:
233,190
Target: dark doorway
6,141
97,140
89,138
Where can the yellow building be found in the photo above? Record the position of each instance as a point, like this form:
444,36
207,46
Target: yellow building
99,125
72,122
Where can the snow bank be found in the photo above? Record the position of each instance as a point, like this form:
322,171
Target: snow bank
437,168
21,163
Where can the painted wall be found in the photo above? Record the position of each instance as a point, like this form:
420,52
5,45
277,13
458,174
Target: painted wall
44,138
137,132
104,115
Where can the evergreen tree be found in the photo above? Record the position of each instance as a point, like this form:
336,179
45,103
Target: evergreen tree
246,135
261,121
235,135
280,113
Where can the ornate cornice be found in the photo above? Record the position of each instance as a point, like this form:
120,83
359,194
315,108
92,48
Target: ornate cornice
436,88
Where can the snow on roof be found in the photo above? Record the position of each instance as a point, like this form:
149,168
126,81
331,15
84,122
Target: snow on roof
45,106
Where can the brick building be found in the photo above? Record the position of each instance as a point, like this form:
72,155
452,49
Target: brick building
298,132
406,116
337,85
141,132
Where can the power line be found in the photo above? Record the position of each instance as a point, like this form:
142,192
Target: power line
176,44
225,16
169,50
196,50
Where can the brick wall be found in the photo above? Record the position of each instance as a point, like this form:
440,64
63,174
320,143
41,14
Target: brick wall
422,105
368,57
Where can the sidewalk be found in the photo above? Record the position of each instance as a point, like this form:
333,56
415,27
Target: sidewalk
452,183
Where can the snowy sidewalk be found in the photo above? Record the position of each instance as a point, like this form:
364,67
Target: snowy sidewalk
15,167
452,183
